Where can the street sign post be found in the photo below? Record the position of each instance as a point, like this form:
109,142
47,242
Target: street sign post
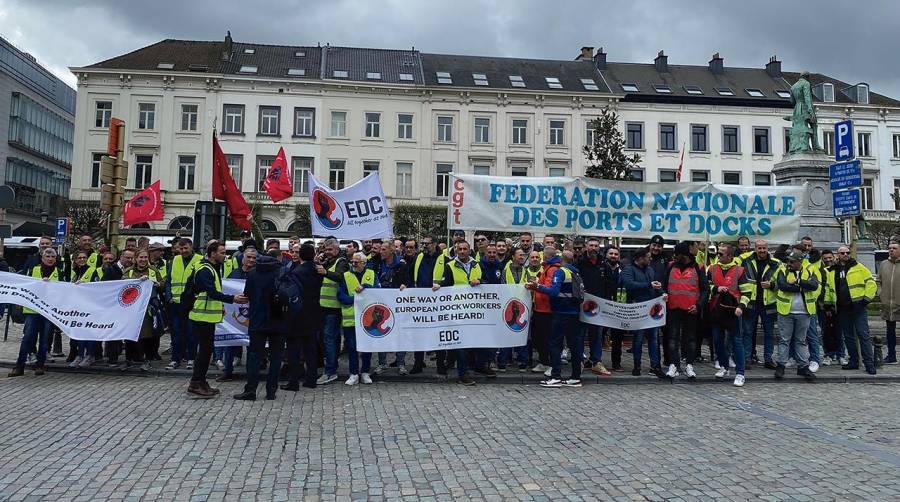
62,230
843,141
846,203
845,175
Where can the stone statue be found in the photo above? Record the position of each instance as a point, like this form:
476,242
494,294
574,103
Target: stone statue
804,132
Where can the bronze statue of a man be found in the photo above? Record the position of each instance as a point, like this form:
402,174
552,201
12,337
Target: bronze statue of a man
804,125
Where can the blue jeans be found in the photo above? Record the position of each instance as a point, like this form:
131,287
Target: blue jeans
749,319
891,340
87,348
226,355
594,334
400,357
814,340
854,322
37,327
652,346
184,345
737,346
331,328
353,355
566,327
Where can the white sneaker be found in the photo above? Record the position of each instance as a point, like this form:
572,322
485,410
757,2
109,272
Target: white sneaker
86,362
722,373
673,371
845,360
365,378
76,362
791,364
190,364
813,366
572,383
402,369
32,359
379,369
146,366
731,362
220,365
826,361
539,368
717,365
739,380
548,372
553,382
172,365
353,380
324,379
689,371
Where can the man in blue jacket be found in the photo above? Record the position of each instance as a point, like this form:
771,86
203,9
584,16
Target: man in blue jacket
390,270
565,321
641,285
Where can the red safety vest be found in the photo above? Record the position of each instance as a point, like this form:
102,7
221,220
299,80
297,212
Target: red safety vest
684,288
728,279
542,300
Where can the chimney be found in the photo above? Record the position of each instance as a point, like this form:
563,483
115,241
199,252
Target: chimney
600,59
717,64
226,53
661,62
773,67
586,54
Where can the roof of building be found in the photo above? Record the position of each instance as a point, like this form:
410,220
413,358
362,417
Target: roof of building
498,72
276,61
181,53
373,65
840,87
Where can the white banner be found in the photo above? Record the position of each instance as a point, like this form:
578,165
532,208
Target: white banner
587,206
98,311
419,319
232,331
359,211
624,316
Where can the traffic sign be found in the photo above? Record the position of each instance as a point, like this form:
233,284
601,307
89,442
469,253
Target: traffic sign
846,203
845,175
843,140
62,230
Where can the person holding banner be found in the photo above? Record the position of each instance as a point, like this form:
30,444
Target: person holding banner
758,300
80,272
428,268
611,289
143,350
462,270
727,276
591,266
224,356
642,285
357,279
391,272
514,273
37,327
687,288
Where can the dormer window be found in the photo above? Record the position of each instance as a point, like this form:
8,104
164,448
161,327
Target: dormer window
693,90
862,94
373,75
516,81
443,77
406,77
828,92
296,72
250,51
247,69
589,84
553,82
630,88
165,66
724,91
341,74
480,79
755,93
783,94
662,89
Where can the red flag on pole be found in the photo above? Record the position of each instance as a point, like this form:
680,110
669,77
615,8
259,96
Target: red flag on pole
225,189
680,163
278,180
143,207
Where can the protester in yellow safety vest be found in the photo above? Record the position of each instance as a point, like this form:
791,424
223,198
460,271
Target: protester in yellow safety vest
758,300
427,268
743,250
535,266
206,312
514,272
462,270
86,244
851,287
332,267
355,281
81,271
179,271
796,294
37,327
143,350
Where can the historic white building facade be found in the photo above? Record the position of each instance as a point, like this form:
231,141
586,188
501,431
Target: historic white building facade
413,118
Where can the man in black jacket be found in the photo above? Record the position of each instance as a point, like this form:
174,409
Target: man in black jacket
610,290
302,332
590,266
265,319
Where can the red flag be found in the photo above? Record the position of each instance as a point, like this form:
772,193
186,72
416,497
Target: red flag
680,164
278,180
143,207
225,189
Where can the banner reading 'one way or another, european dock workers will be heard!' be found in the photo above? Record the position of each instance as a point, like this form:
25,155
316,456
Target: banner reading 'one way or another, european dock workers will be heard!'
587,206
359,211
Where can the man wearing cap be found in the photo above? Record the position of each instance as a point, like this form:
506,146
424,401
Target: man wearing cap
796,304
687,286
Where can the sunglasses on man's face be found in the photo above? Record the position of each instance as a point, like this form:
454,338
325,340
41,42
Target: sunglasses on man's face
843,252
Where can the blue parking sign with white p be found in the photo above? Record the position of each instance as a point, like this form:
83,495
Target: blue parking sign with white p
843,140
62,229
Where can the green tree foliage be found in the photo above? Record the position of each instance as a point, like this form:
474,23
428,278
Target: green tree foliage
606,157
420,220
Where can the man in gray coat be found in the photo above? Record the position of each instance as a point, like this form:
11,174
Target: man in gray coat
888,281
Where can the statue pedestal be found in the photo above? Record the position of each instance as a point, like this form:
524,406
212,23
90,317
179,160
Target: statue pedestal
818,221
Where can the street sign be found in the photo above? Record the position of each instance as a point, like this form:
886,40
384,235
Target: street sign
62,230
843,141
846,203
7,196
845,175
209,222
5,231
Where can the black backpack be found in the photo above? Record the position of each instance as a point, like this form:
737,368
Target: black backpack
288,292
577,288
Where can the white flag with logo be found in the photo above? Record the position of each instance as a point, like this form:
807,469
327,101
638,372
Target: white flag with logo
359,211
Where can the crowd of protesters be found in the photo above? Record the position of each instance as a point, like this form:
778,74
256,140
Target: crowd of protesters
811,304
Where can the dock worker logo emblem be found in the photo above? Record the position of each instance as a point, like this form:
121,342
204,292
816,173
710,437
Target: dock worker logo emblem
515,315
327,210
656,310
590,308
377,320
129,294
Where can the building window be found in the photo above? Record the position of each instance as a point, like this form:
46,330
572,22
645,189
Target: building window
269,120
897,146
147,116
404,179
557,132
863,144
95,169
482,169
762,179
370,167
730,139
336,174
896,195
235,165
589,133
519,171
482,130
828,92
634,136
867,194
187,165
143,171
637,175
39,129
443,77
442,179
787,139
828,142
339,124
104,114
731,178
668,175
761,140
700,176
520,131
553,82
302,168
667,137
445,129
480,79
188,117
304,122
262,169
406,77
404,126
516,81
698,139
556,171
373,125
234,119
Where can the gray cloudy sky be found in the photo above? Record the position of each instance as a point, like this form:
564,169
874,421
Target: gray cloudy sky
855,44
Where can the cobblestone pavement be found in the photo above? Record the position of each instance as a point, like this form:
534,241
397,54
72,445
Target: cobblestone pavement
104,437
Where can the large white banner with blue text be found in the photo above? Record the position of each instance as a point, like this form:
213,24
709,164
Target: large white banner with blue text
359,211
419,319
98,311
587,206
624,316
232,331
